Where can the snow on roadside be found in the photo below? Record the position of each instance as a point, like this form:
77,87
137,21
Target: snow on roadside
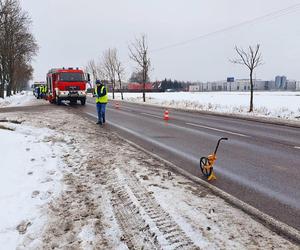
30,176
114,196
283,105
24,98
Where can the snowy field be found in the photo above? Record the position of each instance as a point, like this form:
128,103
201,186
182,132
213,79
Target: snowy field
284,105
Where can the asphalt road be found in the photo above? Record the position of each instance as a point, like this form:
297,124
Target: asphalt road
259,164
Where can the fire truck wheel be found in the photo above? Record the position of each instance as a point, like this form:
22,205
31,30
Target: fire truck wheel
82,102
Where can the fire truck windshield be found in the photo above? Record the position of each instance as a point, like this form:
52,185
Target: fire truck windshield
71,77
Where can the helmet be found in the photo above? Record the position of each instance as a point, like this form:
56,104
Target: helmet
98,82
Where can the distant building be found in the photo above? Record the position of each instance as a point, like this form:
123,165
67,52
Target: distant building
240,85
298,86
263,85
284,82
270,85
204,87
194,88
290,85
280,82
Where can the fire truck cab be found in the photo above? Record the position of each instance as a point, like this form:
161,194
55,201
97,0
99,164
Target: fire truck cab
67,84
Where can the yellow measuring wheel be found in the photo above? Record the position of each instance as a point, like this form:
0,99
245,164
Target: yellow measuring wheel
206,163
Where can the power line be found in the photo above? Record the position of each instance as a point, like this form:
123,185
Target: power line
275,14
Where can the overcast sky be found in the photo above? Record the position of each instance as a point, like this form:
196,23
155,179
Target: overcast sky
70,32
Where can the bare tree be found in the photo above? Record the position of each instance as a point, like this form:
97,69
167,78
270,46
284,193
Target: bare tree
251,59
17,45
91,68
5,10
138,52
101,72
137,77
120,71
23,74
97,70
109,67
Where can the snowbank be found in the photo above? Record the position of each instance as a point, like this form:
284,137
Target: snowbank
285,105
29,179
23,98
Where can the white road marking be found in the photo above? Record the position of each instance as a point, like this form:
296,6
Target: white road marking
216,129
297,147
156,116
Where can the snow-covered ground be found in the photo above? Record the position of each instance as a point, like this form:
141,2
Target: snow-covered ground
65,187
23,98
30,176
285,105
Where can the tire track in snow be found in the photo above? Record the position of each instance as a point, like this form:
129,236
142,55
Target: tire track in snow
141,202
136,233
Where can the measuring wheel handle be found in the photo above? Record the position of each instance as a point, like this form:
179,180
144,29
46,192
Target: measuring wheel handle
218,144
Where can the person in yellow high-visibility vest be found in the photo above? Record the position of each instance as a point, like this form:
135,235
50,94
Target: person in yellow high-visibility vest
101,101
41,91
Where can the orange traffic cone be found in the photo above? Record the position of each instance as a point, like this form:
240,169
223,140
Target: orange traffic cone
166,115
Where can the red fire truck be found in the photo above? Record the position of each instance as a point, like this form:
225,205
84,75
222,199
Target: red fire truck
67,84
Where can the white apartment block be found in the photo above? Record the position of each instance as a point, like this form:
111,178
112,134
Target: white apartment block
244,85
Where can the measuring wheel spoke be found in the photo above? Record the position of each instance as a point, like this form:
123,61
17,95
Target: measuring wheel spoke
205,167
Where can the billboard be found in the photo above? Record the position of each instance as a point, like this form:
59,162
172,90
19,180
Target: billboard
230,79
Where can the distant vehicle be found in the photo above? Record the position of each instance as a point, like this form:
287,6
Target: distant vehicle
67,84
36,89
